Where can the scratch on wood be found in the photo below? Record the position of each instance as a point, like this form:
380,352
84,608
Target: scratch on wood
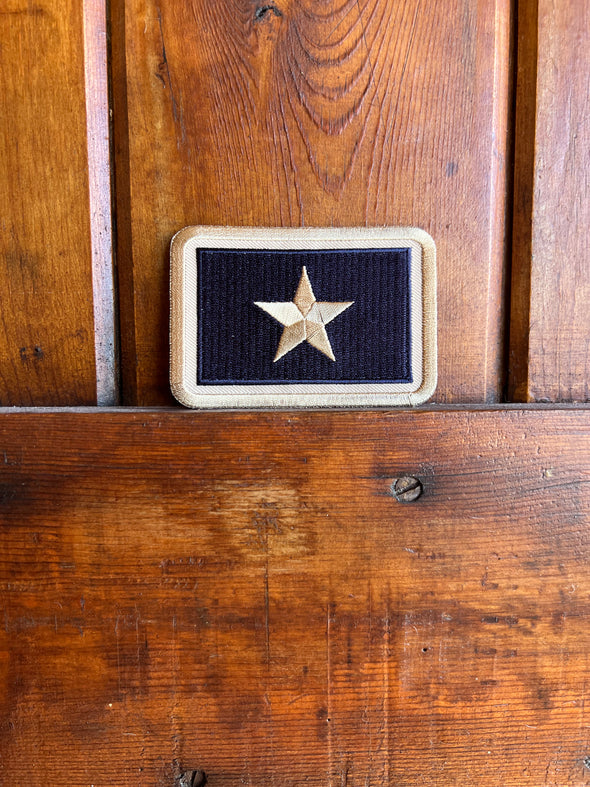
35,10
137,641
118,655
329,698
399,92
164,66
267,611
367,704
365,36
176,742
325,40
386,692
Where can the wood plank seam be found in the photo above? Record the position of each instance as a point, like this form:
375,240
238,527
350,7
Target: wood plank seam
522,223
96,72
123,231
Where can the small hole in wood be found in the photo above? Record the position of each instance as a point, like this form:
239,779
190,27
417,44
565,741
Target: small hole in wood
263,10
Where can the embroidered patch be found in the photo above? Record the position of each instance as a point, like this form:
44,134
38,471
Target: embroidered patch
302,317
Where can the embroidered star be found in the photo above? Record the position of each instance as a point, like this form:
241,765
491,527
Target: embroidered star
304,319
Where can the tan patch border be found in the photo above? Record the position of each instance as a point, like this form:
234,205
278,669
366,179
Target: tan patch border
183,319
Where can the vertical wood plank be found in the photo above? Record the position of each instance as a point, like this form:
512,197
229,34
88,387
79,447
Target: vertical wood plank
49,206
352,113
550,335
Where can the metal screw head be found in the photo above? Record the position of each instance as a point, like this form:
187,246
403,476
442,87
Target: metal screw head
406,489
192,779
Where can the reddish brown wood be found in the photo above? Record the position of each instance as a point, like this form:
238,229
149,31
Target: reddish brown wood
524,157
241,593
342,113
550,333
49,219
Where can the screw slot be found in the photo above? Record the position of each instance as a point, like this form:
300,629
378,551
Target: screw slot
406,489
192,779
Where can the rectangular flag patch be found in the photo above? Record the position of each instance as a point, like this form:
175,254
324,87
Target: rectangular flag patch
310,317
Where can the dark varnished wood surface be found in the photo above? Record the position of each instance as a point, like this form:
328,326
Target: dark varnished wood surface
55,212
550,346
332,114
241,593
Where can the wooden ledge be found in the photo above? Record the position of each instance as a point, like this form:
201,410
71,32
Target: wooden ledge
427,408
243,594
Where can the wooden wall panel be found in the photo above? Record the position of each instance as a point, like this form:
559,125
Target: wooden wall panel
550,342
299,113
50,223
241,593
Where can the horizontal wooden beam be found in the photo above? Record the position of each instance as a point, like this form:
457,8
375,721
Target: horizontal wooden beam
241,594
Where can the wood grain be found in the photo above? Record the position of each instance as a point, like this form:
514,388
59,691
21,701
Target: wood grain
47,347
241,593
96,70
294,113
550,341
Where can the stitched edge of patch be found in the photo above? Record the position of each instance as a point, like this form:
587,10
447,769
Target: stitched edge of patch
183,319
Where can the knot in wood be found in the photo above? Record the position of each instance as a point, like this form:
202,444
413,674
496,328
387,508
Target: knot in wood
406,489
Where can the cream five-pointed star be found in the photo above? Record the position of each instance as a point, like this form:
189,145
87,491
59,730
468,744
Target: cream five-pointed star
304,319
